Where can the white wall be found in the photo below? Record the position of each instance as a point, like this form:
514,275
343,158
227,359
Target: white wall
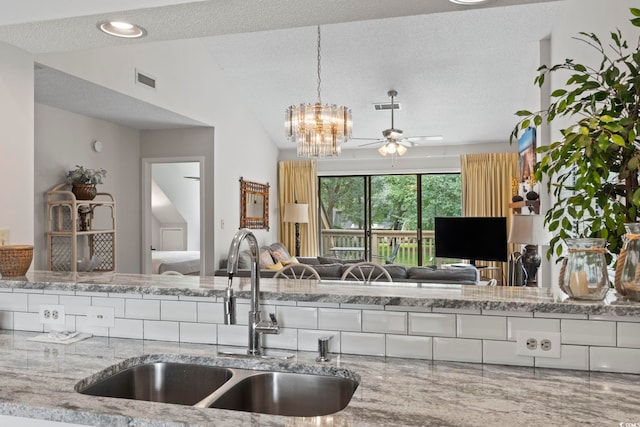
16,144
63,140
188,143
190,83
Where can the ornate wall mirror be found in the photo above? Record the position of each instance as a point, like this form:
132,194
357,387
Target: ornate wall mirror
254,205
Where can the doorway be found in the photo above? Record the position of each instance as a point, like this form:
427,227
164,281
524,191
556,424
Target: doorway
173,208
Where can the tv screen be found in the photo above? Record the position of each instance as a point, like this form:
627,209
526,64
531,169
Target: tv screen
472,238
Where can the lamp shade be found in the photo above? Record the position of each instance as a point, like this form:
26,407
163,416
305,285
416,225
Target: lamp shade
296,212
528,230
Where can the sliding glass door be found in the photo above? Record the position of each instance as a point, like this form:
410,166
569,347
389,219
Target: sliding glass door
385,218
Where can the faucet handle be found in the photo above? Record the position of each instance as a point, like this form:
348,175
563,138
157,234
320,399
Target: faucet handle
272,316
323,349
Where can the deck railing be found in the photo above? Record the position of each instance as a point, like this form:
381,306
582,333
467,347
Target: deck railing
349,244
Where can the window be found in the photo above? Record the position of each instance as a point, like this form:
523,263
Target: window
385,218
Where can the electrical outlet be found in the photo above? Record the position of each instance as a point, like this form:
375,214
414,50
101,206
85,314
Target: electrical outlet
100,316
538,344
4,236
52,314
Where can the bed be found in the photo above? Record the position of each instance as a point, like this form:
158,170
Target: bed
185,262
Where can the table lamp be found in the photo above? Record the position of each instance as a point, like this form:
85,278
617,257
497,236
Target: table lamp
529,230
297,213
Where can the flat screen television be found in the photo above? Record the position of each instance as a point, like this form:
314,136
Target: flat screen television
471,238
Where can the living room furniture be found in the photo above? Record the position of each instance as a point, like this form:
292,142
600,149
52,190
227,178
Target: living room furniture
81,234
366,272
297,213
296,270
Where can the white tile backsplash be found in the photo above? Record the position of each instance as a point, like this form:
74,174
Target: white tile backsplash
35,300
297,317
75,305
409,347
285,339
161,330
455,310
210,312
203,333
339,320
571,357
612,359
6,320
13,302
142,309
432,324
23,321
457,349
507,313
629,335
384,321
365,344
127,328
184,311
515,324
503,353
588,332
485,327
235,335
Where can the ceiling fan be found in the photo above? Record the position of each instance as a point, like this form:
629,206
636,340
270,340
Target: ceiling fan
393,142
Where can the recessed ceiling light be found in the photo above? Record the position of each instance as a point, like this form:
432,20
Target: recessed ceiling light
467,2
122,29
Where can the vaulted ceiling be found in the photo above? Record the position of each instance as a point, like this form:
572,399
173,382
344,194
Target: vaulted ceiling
460,72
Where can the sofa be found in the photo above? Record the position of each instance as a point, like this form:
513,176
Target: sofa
276,255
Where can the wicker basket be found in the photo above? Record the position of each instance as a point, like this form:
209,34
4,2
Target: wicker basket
15,260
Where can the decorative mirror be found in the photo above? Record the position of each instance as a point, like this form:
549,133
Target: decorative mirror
254,205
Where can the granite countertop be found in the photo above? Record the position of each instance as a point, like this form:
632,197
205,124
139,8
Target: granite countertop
38,379
381,293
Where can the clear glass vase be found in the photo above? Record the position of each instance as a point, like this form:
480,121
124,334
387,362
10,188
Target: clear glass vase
584,272
627,278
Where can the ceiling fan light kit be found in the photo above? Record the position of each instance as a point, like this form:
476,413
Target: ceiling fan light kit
318,130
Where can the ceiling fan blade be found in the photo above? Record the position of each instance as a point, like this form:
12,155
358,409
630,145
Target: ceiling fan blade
365,139
425,138
371,143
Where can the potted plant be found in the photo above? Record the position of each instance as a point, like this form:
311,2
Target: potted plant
84,180
592,170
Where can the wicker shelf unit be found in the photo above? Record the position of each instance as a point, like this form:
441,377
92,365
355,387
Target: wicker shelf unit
80,232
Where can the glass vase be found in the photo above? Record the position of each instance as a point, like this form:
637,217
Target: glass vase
627,277
584,272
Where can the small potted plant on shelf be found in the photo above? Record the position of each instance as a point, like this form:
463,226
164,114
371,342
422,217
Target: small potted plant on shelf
84,180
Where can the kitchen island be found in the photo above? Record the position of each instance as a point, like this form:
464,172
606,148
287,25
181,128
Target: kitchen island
37,381
405,341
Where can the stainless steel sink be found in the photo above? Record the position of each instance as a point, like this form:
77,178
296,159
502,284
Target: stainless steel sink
283,393
181,383
216,383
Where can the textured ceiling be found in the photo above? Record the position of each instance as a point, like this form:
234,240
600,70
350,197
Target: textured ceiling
460,72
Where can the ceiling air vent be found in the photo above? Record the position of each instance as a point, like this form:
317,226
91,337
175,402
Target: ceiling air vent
386,106
145,80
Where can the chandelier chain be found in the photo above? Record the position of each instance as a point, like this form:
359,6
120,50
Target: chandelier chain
319,80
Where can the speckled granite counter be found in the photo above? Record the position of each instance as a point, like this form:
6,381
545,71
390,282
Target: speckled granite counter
400,294
37,381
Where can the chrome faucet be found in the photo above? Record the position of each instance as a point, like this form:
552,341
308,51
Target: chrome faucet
257,326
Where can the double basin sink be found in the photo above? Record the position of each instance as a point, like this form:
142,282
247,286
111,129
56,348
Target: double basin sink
215,383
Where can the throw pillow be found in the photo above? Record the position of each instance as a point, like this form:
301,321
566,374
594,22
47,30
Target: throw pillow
265,257
279,252
292,260
277,266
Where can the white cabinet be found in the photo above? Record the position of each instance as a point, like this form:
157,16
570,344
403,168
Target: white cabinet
81,234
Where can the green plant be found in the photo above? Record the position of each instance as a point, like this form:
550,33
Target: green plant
592,170
82,175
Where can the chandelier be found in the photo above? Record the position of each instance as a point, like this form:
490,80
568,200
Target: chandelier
318,130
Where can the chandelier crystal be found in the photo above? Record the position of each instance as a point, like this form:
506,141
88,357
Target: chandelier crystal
317,129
